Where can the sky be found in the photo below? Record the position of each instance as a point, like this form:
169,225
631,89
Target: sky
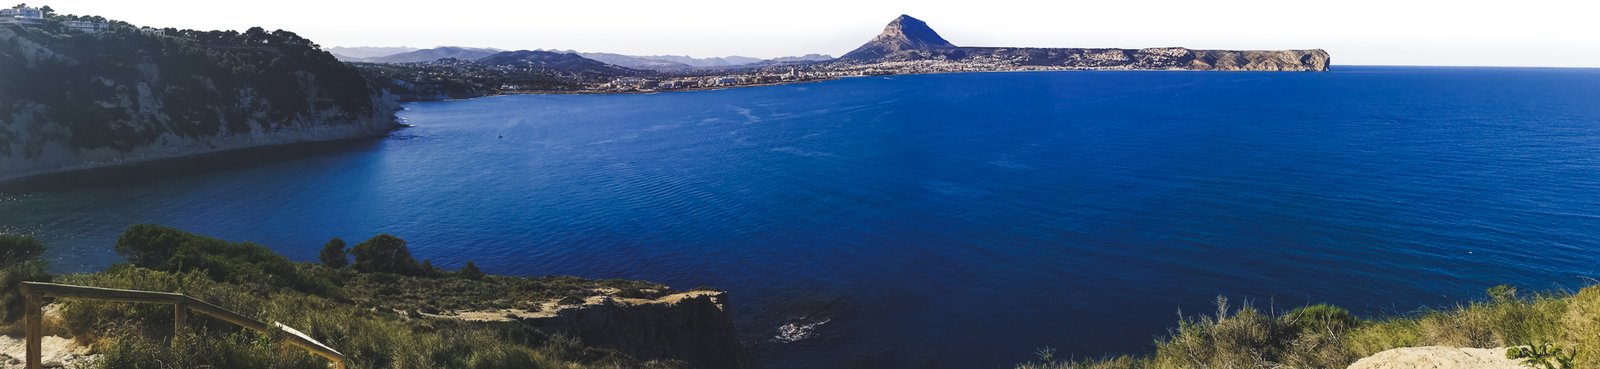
1548,33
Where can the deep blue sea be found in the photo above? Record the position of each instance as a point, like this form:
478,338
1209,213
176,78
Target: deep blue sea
946,221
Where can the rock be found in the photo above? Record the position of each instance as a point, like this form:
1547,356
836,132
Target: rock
1439,357
694,327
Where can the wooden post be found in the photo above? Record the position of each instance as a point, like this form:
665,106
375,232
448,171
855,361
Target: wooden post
33,316
180,315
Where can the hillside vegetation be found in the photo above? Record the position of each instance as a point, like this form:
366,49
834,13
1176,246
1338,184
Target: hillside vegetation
1323,336
375,317
70,98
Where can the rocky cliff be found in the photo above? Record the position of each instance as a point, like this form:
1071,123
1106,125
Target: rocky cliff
72,100
694,327
908,39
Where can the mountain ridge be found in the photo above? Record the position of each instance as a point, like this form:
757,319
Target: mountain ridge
428,55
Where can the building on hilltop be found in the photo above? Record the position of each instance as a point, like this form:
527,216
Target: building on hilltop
22,15
86,26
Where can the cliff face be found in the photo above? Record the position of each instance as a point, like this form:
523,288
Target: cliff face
907,39
694,327
73,100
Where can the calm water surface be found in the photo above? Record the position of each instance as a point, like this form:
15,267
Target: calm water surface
949,221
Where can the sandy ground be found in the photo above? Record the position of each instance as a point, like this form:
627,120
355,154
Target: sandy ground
58,352
1439,357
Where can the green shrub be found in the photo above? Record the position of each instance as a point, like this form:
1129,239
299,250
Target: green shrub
1502,293
11,278
150,245
385,254
1320,318
333,255
166,248
18,248
470,271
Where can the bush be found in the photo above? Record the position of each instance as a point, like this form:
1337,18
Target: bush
150,245
18,248
333,255
170,249
1320,318
470,271
19,262
11,278
385,254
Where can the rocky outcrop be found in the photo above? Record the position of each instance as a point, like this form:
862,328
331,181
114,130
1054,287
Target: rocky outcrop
694,327
72,101
907,39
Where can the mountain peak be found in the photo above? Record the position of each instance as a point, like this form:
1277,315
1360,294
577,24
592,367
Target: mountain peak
903,35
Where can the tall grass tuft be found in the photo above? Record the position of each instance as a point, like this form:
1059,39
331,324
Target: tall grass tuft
1324,336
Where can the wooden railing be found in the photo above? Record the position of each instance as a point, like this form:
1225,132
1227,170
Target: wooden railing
34,293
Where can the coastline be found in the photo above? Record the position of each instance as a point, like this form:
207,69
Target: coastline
835,78
141,168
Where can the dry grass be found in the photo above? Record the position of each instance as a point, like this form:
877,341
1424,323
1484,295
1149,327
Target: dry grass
140,335
1323,336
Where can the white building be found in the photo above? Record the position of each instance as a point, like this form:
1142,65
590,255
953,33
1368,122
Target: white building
86,26
31,16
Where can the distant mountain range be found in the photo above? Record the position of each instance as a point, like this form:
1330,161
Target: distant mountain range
908,39
367,52
557,62
645,62
426,55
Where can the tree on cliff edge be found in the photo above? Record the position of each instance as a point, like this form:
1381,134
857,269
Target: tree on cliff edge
385,254
333,254
470,271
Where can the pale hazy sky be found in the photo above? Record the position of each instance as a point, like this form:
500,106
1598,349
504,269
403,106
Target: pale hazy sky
1389,32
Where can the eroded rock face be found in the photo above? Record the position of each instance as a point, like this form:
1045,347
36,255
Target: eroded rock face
694,327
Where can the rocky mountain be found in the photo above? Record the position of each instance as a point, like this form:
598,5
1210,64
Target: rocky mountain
426,55
905,38
361,53
908,39
72,100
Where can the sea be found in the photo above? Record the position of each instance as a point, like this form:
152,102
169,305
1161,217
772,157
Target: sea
941,221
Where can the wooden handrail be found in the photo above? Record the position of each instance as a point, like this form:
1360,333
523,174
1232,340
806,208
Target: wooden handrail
34,293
